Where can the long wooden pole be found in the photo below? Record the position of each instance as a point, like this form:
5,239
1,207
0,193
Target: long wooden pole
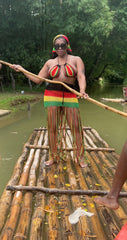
61,191
69,88
89,149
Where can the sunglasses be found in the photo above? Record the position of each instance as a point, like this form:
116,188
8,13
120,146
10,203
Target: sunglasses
62,46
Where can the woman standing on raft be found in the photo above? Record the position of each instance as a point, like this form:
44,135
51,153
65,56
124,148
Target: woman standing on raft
59,101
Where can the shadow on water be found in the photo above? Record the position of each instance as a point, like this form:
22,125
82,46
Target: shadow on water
15,130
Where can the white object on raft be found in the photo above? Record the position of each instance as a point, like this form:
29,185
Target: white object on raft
74,217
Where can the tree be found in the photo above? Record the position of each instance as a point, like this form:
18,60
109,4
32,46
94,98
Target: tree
97,31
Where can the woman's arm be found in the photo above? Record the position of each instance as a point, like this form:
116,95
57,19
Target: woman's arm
81,76
43,72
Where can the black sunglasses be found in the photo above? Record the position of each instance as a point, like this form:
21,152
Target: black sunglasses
62,46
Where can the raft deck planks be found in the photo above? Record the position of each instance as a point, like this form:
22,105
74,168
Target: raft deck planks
37,215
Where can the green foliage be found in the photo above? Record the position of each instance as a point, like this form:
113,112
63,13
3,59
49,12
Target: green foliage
97,31
112,76
92,19
125,82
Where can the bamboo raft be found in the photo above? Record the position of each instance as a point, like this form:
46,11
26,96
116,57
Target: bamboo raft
38,200
115,100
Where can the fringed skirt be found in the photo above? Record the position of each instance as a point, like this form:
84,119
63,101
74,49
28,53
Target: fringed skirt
63,111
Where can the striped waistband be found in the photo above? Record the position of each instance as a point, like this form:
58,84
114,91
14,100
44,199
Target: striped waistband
60,98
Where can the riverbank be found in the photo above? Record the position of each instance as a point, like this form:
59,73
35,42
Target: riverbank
13,102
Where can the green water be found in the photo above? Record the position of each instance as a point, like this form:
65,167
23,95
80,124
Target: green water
15,130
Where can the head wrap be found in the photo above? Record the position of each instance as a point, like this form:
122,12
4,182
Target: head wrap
67,40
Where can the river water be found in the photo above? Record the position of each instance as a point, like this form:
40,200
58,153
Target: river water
15,130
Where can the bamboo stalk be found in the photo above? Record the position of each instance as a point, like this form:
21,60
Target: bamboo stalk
70,89
52,218
116,100
69,143
72,149
25,215
61,191
75,173
91,135
83,178
99,138
45,128
38,214
97,227
65,206
89,140
23,225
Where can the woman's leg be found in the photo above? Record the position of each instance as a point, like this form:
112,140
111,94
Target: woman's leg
53,115
74,122
111,199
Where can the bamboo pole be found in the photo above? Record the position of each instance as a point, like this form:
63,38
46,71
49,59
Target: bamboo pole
65,206
37,220
97,227
90,134
99,138
61,191
69,143
116,100
67,128
52,218
23,225
83,226
83,178
71,148
69,88
89,140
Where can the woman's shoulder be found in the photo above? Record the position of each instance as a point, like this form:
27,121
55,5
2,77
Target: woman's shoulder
73,57
50,62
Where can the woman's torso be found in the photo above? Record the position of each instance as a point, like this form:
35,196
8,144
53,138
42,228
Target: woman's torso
62,66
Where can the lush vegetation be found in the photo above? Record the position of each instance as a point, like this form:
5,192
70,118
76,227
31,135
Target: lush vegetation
97,31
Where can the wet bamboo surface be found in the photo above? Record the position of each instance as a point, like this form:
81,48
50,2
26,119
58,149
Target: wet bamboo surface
36,215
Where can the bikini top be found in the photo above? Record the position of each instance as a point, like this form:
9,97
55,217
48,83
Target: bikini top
55,71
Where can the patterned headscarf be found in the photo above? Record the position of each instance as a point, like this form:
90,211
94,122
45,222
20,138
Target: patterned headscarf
67,40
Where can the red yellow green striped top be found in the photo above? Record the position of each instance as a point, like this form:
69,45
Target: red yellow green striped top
68,69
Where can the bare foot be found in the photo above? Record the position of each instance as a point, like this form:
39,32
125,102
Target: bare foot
107,201
82,164
49,162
